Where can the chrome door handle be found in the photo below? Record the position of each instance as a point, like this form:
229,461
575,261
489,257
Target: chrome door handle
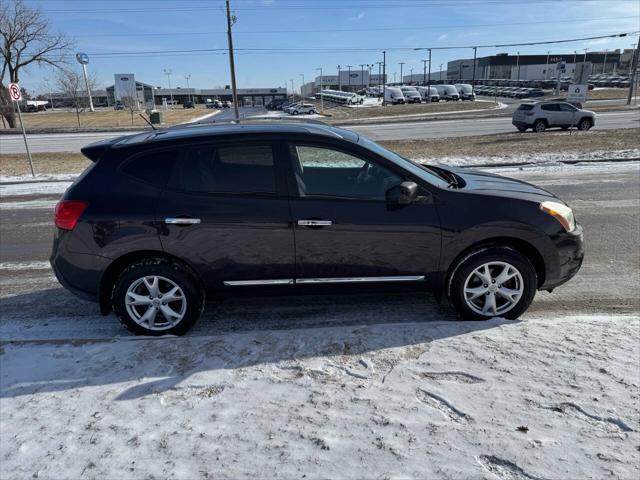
315,223
182,221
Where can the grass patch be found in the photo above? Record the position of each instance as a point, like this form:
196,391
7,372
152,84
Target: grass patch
43,163
518,143
607,94
105,118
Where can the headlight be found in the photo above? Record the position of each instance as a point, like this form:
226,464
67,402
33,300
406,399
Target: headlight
560,212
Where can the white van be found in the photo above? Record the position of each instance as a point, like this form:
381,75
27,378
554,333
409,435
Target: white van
393,95
426,92
411,94
465,91
448,92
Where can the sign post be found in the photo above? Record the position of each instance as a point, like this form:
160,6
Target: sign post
83,59
16,96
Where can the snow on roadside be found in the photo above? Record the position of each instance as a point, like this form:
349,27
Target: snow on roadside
33,188
548,397
534,158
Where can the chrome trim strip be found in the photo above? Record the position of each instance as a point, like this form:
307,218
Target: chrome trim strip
315,223
399,278
182,221
247,283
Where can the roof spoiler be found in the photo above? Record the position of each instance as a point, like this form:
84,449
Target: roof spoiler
94,151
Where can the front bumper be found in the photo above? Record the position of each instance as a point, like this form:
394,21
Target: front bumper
567,260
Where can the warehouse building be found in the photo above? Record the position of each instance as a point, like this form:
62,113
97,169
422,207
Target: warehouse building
347,81
532,67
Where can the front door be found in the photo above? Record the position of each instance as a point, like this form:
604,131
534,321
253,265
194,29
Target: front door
226,213
344,228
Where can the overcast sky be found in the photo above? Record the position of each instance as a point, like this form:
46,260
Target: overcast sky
308,34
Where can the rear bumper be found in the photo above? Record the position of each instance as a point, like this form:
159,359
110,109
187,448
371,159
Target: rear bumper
567,260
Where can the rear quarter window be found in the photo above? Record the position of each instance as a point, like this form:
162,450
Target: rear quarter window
153,167
525,107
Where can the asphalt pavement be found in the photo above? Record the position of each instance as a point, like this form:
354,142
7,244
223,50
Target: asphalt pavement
605,197
72,142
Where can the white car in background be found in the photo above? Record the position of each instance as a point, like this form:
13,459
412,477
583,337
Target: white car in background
302,109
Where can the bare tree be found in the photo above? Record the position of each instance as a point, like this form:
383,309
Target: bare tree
71,84
130,99
26,39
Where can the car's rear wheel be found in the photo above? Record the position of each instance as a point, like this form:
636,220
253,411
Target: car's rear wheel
540,126
157,297
584,124
493,282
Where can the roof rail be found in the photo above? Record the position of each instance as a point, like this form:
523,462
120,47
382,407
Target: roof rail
243,120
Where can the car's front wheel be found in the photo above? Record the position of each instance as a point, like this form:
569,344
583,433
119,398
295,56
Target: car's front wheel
493,282
157,297
585,124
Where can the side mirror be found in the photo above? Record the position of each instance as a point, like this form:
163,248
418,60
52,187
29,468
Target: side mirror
403,194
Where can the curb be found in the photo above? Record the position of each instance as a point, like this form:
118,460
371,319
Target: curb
483,165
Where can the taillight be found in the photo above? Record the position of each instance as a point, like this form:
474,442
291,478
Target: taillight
68,213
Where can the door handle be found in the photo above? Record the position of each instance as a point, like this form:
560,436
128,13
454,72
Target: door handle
315,223
182,221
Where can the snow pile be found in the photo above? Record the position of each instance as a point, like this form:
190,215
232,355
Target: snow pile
542,398
538,158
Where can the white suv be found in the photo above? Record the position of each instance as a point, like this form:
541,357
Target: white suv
542,115
305,108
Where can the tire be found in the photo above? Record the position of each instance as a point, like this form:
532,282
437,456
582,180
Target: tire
464,284
584,124
539,126
312,112
188,303
295,112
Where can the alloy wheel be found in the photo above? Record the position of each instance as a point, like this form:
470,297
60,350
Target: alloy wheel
155,302
493,288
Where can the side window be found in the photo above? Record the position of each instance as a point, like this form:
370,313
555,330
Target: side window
152,167
226,169
326,172
550,107
567,108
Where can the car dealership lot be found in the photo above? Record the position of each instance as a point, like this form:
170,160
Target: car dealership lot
337,386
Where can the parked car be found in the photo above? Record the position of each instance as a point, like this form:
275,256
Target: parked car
303,109
118,106
542,115
276,104
188,104
160,222
448,93
290,107
393,95
465,91
213,103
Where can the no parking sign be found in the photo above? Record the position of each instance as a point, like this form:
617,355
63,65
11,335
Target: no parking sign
14,92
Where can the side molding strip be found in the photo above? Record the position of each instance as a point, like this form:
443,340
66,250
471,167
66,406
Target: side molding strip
291,281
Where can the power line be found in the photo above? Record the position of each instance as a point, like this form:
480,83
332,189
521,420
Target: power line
372,29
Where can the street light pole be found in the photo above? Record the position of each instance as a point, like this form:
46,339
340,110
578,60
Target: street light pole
401,79
604,64
384,75
187,77
429,79
518,65
339,80
349,79
546,68
301,88
441,71
168,72
362,65
320,92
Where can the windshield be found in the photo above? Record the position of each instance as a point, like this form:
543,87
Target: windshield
417,169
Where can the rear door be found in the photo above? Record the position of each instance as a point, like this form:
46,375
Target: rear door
344,229
226,213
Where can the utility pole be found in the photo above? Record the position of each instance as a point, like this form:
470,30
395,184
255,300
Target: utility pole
424,71
349,79
320,92
168,72
339,80
604,64
231,20
429,80
473,75
187,77
301,88
634,72
401,79
518,65
362,65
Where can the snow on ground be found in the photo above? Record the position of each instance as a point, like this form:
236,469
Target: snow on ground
27,187
533,158
429,399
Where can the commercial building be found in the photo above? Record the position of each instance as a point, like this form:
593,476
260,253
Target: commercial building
347,81
532,67
419,78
